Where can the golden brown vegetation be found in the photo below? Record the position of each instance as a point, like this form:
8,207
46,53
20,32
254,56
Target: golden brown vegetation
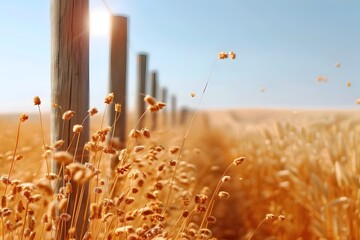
249,179
287,176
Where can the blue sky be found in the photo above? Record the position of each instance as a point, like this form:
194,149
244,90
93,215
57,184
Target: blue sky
281,45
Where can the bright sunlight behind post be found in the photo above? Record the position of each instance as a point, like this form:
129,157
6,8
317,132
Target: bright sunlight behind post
99,22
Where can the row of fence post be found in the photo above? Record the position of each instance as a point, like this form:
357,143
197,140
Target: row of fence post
118,79
142,91
70,81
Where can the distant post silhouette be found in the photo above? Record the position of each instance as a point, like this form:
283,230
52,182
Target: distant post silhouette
141,76
173,110
165,112
184,115
154,94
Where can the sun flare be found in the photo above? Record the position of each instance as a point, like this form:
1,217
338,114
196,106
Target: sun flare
99,22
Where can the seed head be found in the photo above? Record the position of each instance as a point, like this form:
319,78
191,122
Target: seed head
123,230
109,98
6,212
134,190
123,169
201,198
102,182
211,219
322,79
9,225
118,107
65,217
63,157
146,132
134,174
23,117
68,115
93,111
87,236
153,108
174,149
161,105
20,207
3,201
129,200
150,100
77,128
35,198
109,150
232,55
270,216
223,55
68,188
97,190
146,211
123,155
27,232
193,94
107,216
27,194
138,148
5,180
58,144
185,214
37,100
238,161
172,162
140,182
205,233
225,179
135,134
44,218
19,157
223,195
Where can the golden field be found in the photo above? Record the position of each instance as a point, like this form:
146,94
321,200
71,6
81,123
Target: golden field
239,174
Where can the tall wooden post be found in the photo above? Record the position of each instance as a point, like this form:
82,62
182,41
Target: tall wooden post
173,110
141,75
154,94
70,87
165,113
118,73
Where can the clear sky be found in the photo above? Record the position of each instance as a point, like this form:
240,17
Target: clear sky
282,46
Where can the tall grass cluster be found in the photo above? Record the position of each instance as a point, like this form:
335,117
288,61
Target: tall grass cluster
151,193
287,180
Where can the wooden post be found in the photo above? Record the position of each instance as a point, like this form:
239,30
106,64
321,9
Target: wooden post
164,100
184,115
118,73
154,94
173,110
70,89
142,68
